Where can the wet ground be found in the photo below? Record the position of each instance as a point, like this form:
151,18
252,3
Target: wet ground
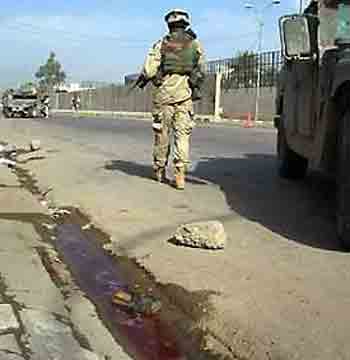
99,277
84,262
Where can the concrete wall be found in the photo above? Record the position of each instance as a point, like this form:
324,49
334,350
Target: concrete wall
112,98
117,98
235,103
238,102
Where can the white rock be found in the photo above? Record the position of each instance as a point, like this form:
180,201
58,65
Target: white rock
35,145
206,235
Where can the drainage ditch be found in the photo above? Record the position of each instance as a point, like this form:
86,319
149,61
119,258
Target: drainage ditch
168,335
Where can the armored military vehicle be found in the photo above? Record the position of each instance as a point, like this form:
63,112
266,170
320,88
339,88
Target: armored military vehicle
313,99
20,103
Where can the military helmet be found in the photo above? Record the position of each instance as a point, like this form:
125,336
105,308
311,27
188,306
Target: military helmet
177,15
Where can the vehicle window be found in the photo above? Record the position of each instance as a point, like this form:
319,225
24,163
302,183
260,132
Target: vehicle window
296,36
343,22
328,23
24,97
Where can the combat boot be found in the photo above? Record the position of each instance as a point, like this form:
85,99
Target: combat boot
159,175
180,179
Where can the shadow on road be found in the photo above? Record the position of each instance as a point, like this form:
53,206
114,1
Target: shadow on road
130,168
140,170
300,211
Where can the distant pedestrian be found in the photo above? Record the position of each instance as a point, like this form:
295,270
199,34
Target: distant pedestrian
45,106
76,103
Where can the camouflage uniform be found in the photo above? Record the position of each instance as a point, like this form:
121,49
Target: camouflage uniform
6,99
172,110
45,106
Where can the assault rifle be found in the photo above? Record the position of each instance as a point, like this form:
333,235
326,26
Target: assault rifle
196,81
140,82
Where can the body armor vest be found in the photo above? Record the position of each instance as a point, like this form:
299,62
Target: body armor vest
179,54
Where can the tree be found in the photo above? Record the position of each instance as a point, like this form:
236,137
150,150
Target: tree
51,73
27,86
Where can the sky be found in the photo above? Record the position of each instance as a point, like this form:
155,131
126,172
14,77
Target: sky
103,40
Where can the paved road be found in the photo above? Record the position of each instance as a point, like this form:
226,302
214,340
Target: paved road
277,291
240,161
105,133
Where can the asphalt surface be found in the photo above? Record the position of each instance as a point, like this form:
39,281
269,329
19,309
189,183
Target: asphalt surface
242,162
218,140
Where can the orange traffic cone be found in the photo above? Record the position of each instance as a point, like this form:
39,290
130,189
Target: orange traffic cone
248,123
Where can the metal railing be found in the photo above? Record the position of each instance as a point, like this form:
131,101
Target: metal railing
242,71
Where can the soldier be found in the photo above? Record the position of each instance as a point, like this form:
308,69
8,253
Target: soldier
45,106
76,103
6,100
175,66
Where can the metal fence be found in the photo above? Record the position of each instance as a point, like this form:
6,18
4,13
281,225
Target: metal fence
242,71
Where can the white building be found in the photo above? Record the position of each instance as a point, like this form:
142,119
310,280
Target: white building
72,87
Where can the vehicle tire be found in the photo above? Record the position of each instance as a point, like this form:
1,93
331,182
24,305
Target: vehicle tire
343,180
290,164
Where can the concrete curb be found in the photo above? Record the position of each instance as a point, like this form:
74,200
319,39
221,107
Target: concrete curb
146,116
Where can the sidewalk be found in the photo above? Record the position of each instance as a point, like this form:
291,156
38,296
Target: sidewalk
200,119
37,321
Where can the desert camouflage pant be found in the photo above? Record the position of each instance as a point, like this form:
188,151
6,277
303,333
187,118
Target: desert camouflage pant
172,122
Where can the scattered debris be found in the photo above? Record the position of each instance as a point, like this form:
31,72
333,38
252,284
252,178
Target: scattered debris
144,257
141,304
8,149
108,247
35,145
45,193
122,298
48,226
57,213
87,226
206,235
8,155
7,162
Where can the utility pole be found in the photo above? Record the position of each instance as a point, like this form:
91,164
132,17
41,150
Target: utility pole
258,79
218,80
301,6
259,13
